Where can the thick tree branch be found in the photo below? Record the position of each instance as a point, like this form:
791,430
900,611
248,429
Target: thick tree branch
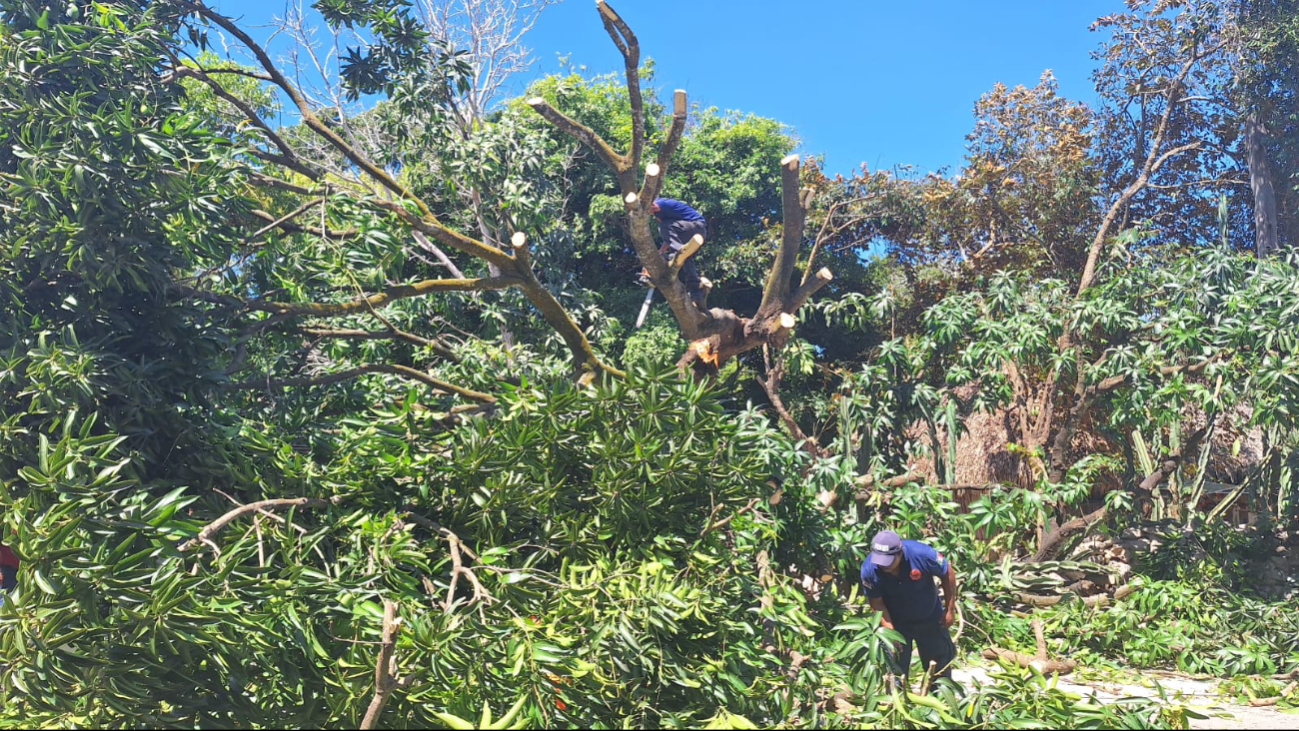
629,46
581,133
458,241
791,239
1053,541
657,172
808,288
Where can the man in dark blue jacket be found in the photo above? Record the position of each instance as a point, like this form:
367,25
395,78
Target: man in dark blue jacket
899,580
678,223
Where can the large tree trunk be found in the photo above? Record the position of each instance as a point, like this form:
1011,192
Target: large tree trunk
1260,182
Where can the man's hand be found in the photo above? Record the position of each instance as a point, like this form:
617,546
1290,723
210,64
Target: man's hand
949,617
886,623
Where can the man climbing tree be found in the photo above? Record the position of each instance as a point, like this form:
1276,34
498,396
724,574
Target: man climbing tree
678,224
898,578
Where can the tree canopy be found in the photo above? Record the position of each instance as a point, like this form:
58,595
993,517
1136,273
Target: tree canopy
347,421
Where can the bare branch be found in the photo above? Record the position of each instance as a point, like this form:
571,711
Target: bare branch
581,133
286,218
287,157
211,529
393,334
384,298
654,182
1152,161
431,248
272,182
350,373
629,46
458,569
386,679
727,520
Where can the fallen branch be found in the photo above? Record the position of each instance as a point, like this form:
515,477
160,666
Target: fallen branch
1050,600
211,529
1039,662
386,679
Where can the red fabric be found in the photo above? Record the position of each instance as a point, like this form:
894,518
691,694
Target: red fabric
7,557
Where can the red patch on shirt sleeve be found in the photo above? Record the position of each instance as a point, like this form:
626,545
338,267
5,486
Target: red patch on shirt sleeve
915,574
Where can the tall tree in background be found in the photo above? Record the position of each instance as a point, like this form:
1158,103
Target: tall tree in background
1267,93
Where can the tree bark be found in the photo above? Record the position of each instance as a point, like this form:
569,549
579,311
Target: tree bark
1260,182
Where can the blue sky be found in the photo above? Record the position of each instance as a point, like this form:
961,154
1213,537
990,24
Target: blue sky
885,83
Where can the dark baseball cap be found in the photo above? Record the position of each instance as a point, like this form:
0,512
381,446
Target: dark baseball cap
886,546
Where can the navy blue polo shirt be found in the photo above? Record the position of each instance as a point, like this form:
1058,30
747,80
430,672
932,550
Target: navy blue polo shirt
911,597
675,210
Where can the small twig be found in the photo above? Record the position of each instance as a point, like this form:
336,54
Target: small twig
726,521
211,529
261,549
457,570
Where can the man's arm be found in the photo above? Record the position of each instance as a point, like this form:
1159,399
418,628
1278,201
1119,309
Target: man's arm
949,596
878,605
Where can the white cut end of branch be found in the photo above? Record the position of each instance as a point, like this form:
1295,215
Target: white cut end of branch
519,239
652,170
679,101
536,101
787,320
825,274
630,198
789,160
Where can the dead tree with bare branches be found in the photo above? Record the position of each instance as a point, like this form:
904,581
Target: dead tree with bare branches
715,335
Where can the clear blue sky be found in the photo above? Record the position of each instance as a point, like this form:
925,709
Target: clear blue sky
885,83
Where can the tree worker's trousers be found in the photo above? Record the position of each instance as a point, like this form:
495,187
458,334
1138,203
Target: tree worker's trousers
676,234
933,640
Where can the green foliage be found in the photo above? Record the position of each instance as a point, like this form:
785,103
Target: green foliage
638,552
109,189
